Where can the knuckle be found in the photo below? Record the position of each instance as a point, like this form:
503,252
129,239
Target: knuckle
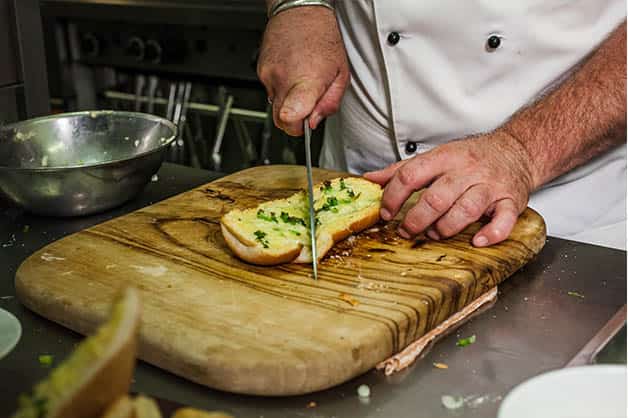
406,176
499,234
411,225
446,228
470,208
434,201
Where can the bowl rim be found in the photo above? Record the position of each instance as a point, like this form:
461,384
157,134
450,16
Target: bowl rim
147,116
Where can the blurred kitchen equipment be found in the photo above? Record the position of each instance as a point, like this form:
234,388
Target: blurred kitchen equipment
81,163
102,51
10,332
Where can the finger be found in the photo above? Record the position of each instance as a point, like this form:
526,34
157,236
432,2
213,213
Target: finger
277,103
414,175
382,177
330,102
435,202
298,104
499,228
468,208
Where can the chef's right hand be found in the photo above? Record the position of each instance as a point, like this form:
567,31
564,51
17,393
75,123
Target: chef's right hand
303,65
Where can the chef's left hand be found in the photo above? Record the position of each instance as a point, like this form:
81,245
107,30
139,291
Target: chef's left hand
485,175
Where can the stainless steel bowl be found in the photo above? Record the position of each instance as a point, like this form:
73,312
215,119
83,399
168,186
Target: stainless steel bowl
81,163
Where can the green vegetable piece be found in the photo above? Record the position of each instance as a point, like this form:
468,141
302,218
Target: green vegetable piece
292,220
576,294
326,186
463,342
260,237
342,184
46,359
297,233
331,202
270,218
41,406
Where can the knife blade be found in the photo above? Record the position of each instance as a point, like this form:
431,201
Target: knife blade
310,189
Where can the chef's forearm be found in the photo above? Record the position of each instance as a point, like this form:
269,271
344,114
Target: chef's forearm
582,118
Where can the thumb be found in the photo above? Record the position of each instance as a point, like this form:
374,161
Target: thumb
383,176
300,101
330,102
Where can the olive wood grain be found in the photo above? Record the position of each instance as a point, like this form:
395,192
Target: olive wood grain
213,319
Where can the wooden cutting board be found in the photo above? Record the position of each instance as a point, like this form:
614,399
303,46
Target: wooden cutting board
213,319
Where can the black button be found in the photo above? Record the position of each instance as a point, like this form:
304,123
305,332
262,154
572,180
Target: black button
411,147
393,38
494,42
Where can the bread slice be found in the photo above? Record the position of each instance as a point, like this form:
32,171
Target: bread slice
277,232
121,408
196,413
97,373
146,407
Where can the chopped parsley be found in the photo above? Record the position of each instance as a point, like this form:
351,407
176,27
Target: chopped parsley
331,202
342,184
41,406
292,220
326,187
463,342
267,217
46,359
260,237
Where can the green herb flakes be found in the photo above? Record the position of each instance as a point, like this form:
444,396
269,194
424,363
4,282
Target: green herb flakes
463,342
267,217
260,237
292,220
46,360
331,202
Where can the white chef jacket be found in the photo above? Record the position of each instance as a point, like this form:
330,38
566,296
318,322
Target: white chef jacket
442,80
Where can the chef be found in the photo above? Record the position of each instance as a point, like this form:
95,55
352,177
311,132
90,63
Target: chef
492,105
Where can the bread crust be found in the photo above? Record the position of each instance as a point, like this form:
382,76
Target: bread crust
254,254
111,377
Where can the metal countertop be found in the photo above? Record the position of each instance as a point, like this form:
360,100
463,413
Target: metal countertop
534,327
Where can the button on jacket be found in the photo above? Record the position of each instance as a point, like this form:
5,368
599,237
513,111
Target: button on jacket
427,72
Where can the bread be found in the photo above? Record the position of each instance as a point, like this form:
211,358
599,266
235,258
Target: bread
277,232
121,408
96,374
146,407
195,413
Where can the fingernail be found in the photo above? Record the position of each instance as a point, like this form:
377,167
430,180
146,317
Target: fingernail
404,233
481,241
385,214
433,234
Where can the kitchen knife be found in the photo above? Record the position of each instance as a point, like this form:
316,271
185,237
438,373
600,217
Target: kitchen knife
310,193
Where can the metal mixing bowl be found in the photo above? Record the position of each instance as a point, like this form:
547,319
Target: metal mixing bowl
81,163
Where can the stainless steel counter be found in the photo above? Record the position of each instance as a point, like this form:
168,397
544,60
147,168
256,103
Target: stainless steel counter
534,327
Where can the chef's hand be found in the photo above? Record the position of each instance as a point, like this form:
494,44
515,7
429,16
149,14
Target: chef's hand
303,65
465,179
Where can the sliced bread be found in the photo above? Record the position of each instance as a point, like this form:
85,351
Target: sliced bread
277,231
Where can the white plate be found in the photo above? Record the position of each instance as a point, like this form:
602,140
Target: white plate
10,332
575,392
